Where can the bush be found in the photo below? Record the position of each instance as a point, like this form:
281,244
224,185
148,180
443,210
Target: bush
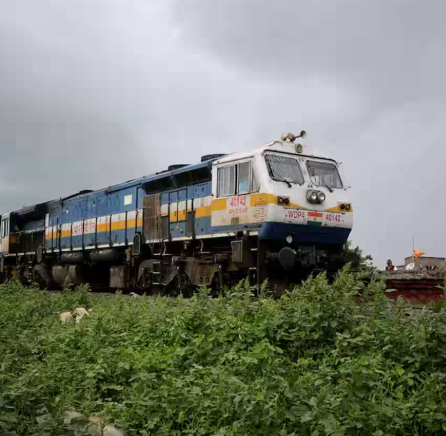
313,362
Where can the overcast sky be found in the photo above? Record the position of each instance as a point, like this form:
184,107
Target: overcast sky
94,93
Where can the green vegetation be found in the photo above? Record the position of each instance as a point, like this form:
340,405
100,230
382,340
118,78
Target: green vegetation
324,359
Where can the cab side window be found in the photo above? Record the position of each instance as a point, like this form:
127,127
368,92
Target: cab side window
226,181
243,177
236,179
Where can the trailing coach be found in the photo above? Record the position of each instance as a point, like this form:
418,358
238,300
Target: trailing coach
277,212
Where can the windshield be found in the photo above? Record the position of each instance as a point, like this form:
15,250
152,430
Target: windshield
284,169
324,174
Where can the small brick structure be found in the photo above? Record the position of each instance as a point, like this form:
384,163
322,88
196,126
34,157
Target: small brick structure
417,286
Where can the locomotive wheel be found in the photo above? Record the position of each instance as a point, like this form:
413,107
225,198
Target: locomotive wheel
39,281
143,284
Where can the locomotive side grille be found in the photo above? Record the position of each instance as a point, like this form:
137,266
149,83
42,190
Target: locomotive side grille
152,217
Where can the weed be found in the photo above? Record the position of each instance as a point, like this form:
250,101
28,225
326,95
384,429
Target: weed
312,362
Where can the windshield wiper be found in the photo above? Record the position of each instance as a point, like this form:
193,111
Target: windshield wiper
287,182
328,187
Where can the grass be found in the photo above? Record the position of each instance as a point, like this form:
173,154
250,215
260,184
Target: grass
313,362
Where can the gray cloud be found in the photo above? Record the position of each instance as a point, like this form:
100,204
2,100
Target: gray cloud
385,60
97,92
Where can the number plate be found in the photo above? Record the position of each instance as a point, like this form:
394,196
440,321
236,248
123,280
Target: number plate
238,206
296,216
333,218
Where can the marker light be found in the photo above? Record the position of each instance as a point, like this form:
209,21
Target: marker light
289,239
283,201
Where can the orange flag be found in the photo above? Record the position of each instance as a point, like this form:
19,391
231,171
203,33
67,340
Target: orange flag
418,253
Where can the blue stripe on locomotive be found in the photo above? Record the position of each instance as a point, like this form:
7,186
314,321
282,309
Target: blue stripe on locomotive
109,202
116,205
178,229
98,204
305,234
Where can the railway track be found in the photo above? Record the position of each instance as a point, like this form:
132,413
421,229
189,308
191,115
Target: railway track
104,292
415,287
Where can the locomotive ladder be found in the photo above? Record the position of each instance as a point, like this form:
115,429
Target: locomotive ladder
156,274
254,271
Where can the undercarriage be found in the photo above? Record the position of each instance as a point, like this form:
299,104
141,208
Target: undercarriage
173,268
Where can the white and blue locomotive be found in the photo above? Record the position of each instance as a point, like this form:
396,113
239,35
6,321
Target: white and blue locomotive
277,212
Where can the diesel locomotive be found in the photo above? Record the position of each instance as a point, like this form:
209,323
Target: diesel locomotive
277,212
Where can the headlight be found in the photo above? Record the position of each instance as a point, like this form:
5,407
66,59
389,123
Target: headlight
289,239
312,196
315,196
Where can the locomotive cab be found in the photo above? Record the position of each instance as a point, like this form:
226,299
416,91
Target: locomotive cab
310,202
297,203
